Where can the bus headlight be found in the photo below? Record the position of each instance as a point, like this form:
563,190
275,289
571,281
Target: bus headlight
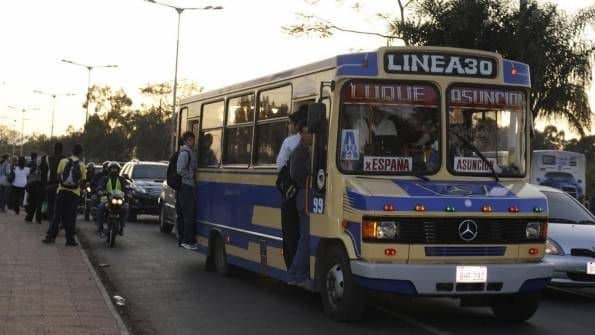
379,230
536,230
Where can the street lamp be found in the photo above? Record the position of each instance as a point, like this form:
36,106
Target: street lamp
23,110
89,68
179,10
54,95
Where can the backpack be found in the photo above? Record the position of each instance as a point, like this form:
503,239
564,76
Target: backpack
174,180
71,176
285,184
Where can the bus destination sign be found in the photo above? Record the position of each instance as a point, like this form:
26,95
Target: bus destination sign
439,64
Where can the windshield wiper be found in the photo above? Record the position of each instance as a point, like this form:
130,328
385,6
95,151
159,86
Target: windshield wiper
479,154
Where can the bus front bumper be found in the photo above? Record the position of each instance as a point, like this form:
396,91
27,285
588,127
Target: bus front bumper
440,279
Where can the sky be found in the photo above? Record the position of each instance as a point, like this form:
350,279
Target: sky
241,42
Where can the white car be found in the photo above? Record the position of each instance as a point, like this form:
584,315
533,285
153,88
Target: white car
570,246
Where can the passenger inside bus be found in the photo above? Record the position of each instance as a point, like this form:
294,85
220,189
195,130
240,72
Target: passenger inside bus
206,154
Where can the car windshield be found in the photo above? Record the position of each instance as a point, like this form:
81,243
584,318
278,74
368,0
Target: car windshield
389,128
491,121
563,208
156,172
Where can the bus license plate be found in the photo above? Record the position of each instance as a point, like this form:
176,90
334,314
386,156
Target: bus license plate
591,268
472,274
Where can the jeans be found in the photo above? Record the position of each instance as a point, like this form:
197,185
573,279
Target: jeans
34,201
179,218
290,229
4,189
298,271
51,198
102,215
17,195
186,198
65,212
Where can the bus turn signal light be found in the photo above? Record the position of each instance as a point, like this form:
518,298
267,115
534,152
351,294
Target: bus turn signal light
486,209
533,251
513,209
390,252
389,208
369,229
420,208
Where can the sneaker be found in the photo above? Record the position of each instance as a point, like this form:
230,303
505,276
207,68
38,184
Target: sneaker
48,240
71,244
190,246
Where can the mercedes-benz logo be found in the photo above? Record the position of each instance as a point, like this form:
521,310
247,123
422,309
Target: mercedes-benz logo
468,230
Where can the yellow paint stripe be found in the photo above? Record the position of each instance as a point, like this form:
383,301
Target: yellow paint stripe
237,178
266,217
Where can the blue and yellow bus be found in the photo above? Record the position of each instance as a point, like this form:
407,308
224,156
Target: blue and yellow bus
419,182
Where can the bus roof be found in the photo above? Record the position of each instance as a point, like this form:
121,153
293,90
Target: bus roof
368,64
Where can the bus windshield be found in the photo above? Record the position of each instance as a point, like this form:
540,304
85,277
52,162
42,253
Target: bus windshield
389,128
491,121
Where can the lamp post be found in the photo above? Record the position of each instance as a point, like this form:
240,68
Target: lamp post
89,68
23,111
54,95
179,10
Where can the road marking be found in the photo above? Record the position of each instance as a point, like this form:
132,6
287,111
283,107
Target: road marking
413,322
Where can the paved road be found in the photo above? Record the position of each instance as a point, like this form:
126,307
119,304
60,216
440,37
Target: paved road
168,292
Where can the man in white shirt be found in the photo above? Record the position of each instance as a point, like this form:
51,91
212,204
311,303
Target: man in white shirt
378,122
289,214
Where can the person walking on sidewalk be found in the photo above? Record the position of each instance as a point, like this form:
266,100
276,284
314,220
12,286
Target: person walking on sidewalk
35,194
71,172
17,191
49,169
186,195
4,184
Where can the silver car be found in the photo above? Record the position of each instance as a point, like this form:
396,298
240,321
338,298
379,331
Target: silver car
571,240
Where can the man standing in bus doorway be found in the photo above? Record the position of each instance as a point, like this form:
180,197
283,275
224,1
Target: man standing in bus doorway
186,195
289,214
299,169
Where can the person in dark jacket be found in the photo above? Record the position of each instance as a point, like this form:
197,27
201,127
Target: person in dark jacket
34,191
299,169
49,171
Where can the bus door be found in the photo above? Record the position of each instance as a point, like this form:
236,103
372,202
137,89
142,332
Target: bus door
319,165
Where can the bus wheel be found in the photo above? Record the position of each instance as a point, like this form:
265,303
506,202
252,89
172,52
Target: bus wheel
218,256
342,299
515,307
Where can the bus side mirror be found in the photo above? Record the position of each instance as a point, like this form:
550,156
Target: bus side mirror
316,115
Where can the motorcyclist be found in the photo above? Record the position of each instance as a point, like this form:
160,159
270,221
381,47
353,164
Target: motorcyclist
99,176
106,185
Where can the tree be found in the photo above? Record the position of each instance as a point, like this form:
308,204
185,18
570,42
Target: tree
550,139
547,39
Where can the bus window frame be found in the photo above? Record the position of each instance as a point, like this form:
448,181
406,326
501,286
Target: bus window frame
439,94
202,130
180,120
525,90
258,122
237,125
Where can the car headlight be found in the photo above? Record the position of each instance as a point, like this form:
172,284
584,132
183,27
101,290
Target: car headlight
553,248
536,230
375,229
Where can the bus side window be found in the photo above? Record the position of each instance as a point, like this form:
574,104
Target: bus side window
209,141
237,148
271,126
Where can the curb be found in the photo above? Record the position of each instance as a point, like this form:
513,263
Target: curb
108,301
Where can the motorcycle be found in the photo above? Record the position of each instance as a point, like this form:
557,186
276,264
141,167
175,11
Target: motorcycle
114,204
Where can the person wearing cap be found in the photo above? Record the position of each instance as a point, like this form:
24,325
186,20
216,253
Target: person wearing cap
289,214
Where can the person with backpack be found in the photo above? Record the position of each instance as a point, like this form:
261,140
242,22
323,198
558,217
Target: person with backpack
35,194
4,183
49,170
71,174
184,183
289,214
18,175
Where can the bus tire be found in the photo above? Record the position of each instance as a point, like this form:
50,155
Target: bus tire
219,257
518,307
342,298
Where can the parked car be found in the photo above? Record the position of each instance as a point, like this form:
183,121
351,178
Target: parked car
167,209
145,182
570,246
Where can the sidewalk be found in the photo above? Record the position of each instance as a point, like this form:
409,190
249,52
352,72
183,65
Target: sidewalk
48,289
